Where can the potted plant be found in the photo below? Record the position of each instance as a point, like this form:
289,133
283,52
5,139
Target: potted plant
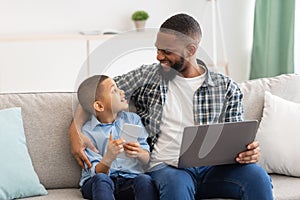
139,17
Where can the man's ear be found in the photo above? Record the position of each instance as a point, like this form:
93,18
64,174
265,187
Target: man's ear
98,106
191,49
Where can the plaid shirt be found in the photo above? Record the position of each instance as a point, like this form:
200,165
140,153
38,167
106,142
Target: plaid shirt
217,100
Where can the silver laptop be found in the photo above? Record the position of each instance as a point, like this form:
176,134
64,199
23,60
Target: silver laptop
215,144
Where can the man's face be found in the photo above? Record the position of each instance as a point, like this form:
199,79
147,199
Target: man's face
170,54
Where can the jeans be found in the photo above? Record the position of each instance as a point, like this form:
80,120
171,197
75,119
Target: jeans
237,181
101,186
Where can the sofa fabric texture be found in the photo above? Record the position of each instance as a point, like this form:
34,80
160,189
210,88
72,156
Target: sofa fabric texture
47,117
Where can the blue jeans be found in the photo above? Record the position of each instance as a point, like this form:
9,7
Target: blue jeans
247,182
101,186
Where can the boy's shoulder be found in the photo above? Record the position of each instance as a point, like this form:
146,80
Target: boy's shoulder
129,116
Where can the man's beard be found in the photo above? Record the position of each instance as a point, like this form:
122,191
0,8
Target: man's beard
174,70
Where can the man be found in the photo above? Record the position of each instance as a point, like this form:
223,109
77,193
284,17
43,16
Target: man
178,92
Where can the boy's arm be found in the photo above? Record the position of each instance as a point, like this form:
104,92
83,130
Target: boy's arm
114,148
78,141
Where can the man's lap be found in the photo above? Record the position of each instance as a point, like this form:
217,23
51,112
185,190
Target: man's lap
212,181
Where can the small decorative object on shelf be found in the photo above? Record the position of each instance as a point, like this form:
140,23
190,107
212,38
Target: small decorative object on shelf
139,17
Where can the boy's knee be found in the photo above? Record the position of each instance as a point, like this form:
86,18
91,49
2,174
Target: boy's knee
143,178
102,178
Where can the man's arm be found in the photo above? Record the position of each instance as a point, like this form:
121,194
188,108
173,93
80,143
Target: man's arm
78,141
235,112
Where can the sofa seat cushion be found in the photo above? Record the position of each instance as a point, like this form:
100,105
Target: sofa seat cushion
63,194
286,187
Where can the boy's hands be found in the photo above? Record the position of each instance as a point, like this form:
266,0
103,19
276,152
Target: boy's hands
132,149
114,148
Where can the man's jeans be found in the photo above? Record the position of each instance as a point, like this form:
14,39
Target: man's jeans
247,182
101,186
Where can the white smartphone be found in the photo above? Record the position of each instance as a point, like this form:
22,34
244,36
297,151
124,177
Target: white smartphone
130,133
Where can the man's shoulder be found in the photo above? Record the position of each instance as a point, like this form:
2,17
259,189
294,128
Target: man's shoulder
221,79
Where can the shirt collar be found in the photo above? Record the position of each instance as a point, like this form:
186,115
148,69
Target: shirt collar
208,79
95,122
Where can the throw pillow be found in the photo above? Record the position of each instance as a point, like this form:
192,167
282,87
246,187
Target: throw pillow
17,176
279,136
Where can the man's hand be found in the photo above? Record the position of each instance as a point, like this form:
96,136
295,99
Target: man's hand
78,143
251,155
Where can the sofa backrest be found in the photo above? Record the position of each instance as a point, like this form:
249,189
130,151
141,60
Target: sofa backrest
286,86
46,118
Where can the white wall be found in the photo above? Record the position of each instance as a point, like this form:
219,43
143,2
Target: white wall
49,66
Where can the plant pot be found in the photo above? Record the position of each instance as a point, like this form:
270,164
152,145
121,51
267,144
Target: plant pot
140,25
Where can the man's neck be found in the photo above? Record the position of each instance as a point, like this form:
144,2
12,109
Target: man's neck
192,70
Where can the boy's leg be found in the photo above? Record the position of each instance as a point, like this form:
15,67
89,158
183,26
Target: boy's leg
144,188
99,186
173,183
247,182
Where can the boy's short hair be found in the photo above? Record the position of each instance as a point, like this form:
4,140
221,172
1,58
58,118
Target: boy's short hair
88,91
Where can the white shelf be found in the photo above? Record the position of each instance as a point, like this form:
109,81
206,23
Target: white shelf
35,37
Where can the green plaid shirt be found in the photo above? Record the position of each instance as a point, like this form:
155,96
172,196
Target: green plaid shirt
217,100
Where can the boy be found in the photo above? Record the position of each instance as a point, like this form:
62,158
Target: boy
111,177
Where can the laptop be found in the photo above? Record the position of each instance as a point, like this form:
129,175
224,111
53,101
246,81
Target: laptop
215,144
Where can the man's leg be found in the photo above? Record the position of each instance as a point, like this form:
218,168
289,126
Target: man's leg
99,186
246,182
173,183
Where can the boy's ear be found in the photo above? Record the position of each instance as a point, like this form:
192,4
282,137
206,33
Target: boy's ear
98,106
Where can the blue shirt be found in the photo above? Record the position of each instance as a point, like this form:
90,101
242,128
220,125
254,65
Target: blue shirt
99,134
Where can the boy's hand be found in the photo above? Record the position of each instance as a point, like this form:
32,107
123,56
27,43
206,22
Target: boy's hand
132,149
114,148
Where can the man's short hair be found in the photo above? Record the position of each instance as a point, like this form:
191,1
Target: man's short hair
89,91
182,24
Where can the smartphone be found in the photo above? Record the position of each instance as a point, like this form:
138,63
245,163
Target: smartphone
130,133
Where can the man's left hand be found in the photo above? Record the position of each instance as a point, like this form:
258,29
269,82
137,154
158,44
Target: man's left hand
251,155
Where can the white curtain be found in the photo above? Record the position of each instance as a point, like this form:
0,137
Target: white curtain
297,38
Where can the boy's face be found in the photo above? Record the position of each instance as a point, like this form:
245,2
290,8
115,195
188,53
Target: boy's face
113,99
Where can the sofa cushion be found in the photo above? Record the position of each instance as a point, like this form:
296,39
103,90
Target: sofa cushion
285,86
60,194
18,178
47,117
279,136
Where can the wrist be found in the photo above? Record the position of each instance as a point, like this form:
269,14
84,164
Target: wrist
107,160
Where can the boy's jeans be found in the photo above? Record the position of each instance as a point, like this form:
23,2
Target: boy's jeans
101,186
247,182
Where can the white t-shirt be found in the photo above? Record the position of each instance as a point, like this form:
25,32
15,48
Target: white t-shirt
177,114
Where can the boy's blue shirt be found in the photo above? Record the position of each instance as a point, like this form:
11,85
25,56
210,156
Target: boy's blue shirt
99,134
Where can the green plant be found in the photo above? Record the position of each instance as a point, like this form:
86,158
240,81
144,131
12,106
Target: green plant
139,15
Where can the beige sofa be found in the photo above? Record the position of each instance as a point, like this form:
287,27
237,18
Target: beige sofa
47,117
